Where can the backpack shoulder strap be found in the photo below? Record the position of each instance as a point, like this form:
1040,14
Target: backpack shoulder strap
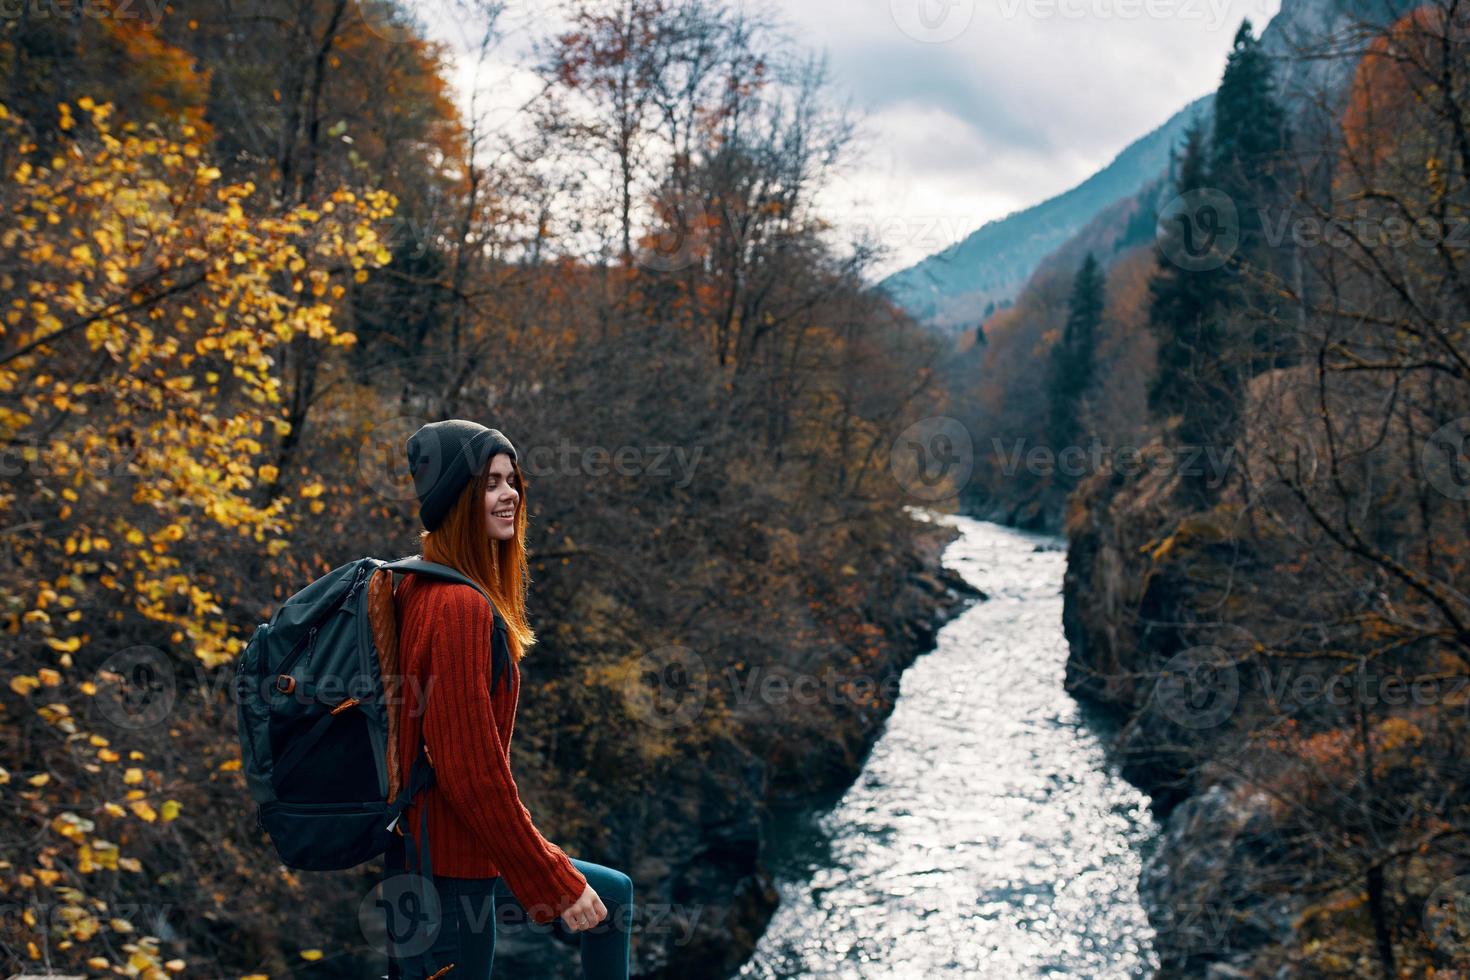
500,662
436,570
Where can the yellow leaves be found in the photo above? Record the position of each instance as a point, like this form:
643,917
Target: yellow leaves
314,489
104,854
40,779
113,810
133,775
1398,732
169,810
90,229
143,810
108,755
230,765
72,826
49,677
59,715
172,532
311,955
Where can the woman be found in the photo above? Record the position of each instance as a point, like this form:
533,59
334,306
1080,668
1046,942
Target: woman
484,850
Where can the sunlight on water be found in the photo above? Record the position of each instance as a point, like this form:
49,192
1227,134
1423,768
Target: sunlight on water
988,835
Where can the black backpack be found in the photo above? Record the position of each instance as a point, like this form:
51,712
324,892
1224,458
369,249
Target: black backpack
318,687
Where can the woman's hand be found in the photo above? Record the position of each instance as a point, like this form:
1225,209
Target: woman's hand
588,911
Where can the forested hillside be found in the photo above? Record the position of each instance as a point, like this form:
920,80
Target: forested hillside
245,250
1264,401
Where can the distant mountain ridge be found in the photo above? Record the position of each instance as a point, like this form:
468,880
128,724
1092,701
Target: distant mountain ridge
951,289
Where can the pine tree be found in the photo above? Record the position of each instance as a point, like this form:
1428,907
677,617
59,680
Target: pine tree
1247,148
1194,377
1073,358
1249,130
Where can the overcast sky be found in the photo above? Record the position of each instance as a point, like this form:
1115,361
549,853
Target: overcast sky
971,109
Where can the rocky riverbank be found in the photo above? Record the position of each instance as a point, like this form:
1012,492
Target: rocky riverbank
1137,649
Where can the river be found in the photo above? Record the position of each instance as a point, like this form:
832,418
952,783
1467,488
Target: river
989,834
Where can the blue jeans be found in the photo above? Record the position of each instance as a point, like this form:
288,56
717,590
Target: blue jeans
469,908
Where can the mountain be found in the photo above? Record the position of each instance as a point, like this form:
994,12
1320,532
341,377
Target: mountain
952,288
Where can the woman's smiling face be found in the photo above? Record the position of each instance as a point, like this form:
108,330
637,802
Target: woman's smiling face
502,497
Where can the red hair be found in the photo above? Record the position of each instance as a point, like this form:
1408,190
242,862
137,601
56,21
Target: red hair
501,568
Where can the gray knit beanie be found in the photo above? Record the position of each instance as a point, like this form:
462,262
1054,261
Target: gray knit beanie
445,456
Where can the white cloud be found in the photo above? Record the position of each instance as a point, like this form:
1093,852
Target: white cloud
1024,100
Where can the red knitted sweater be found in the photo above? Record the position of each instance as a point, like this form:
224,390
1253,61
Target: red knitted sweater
478,827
